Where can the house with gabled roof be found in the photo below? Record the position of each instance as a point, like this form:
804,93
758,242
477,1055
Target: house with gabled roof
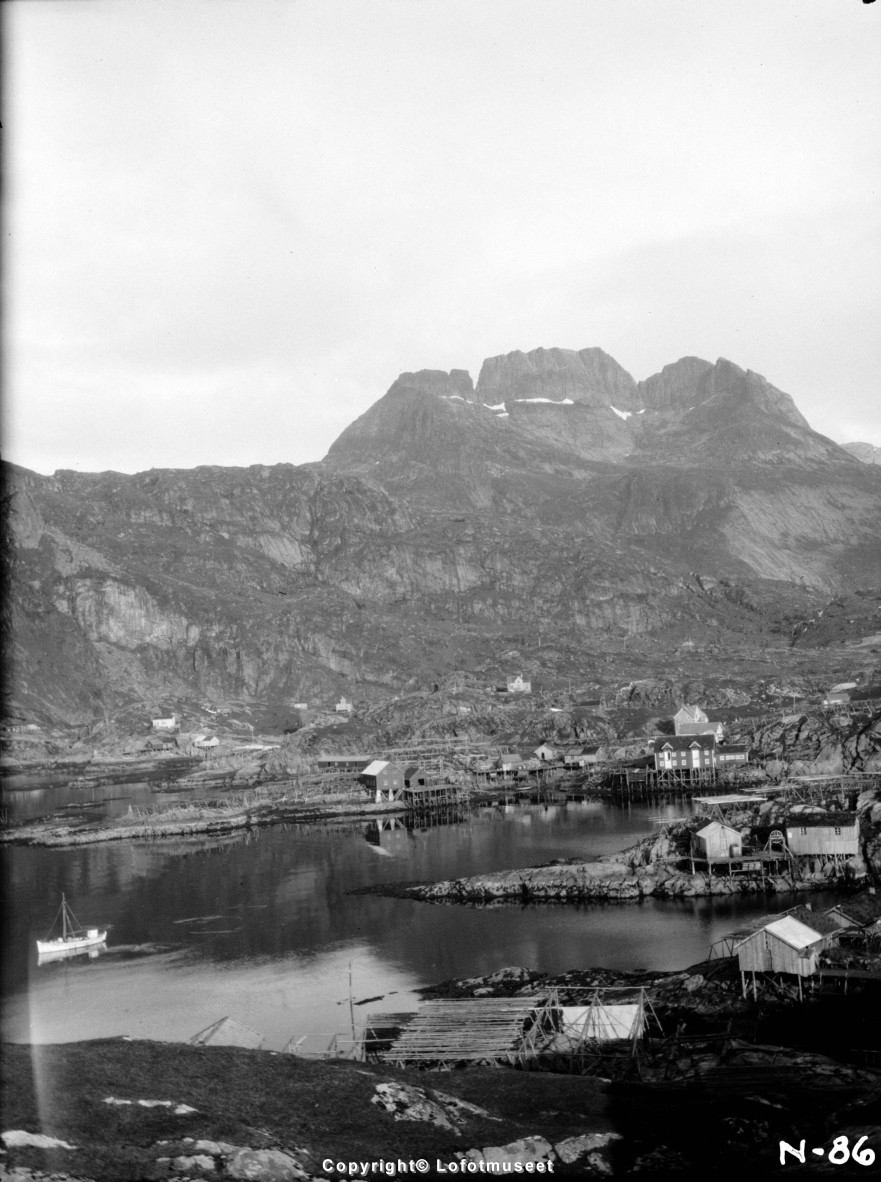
691,720
860,912
785,945
685,753
716,841
581,755
384,780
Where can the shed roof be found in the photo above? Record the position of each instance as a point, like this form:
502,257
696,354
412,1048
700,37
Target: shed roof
227,1032
862,909
829,821
713,826
685,742
374,768
793,932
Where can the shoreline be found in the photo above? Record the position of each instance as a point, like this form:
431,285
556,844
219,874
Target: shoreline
596,882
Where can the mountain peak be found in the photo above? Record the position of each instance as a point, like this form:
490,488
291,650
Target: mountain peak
588,376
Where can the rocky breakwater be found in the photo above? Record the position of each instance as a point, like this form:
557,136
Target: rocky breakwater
607,880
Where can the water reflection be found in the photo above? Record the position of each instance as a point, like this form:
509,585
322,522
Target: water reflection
262,926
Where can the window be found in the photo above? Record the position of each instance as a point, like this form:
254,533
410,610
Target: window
838,831
803,831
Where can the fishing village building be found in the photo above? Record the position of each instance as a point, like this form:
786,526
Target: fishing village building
691,720
388,782
581,755
681,752
785,945
517,685
831,837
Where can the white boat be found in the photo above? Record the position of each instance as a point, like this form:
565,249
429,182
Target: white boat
73,935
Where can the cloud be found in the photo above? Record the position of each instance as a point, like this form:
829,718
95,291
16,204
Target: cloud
262,213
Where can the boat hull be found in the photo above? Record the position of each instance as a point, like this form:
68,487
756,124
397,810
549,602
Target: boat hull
71,943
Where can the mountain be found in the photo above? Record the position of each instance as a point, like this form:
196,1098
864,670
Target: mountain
544,513
868,453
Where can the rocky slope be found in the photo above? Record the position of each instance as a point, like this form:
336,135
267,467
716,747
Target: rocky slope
555,506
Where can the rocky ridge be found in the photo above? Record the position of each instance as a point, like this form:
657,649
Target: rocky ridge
557,503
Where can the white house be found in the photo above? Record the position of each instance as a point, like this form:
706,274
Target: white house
546,753
344,706
165,724
691,720
516,685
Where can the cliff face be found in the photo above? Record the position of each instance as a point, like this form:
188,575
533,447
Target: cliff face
558,501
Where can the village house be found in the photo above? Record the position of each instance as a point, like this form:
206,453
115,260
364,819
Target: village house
716,842
415,777
581,755
861,912
731,754
691,720
341,763
683,752
517,685
785,945
385,780
546,753
830,836
344,706
510,761
165,724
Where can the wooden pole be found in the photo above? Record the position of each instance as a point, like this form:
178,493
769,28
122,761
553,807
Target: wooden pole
351,1003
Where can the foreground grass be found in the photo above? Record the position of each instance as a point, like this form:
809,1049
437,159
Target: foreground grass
274,1101
257,1099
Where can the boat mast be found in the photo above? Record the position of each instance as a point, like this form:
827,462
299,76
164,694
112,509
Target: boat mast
63,916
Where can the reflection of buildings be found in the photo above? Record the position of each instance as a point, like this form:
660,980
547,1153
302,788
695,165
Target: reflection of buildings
386,833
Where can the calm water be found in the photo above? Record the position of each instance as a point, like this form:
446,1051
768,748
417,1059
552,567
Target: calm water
261,926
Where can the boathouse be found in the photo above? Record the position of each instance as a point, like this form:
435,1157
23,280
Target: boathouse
716,841
861,912
546,753
784,946
830,836
415,777
385,780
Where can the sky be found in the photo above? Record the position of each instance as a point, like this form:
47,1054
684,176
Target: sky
230,224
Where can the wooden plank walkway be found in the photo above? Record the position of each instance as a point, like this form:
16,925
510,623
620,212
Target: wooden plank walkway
467,1030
